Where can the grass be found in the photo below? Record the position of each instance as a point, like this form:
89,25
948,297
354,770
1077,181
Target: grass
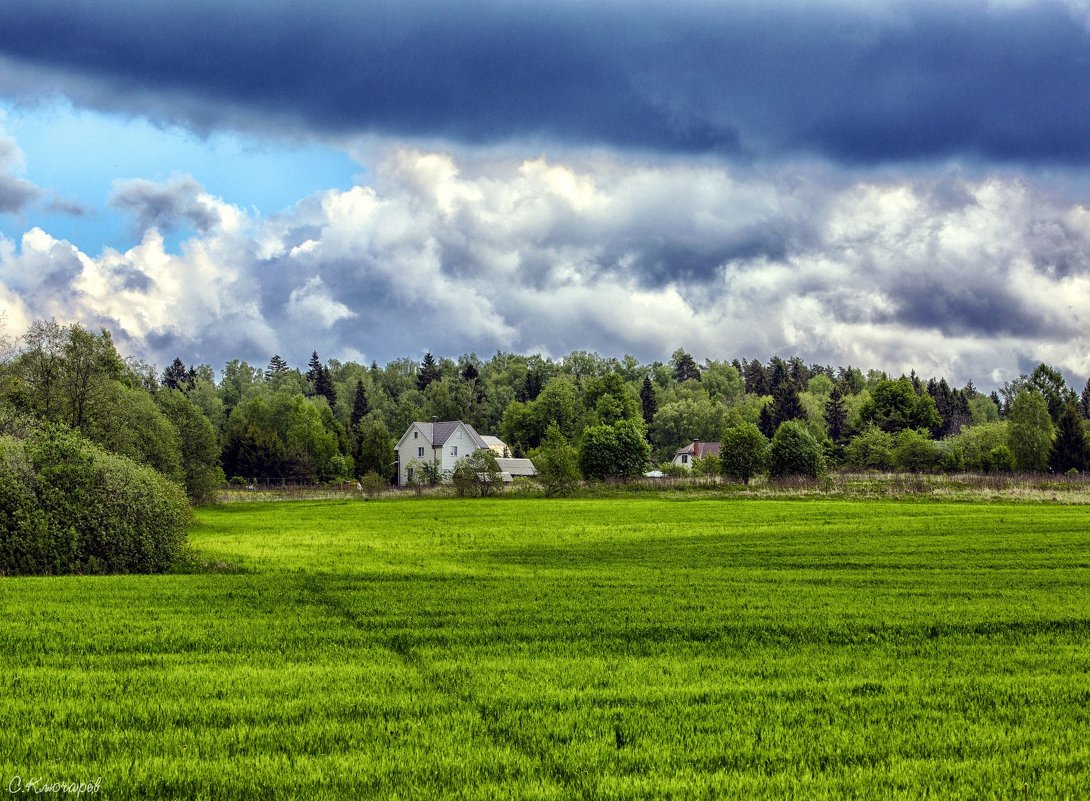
627,647
1020,487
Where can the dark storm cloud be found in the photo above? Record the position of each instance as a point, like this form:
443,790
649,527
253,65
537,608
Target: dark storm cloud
892,81
975,310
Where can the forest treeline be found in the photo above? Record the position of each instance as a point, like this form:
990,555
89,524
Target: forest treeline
333,421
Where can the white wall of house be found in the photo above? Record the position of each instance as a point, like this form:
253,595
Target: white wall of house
458,446
684,459
415,445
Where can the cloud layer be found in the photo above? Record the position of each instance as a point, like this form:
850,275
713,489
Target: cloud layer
853,82
945,273
15,193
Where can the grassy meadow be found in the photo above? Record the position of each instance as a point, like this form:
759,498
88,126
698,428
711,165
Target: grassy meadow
548,649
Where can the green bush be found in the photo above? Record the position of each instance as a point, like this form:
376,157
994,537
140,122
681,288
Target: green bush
743,452
617,451
372,483
477,475
557,464
709,465
915,452
870,450
1000,459
68,506
795,452
951,457
673,470
970,450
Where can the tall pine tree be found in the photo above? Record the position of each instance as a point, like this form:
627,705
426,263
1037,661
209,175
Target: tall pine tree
1069,449
685,367
314,369
756,379
648,403
786,404
177,377
276,366
836,415
429,372
360,406
324,386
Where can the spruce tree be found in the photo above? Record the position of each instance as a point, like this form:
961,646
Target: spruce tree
176,376
756,379
648,403
314,369
325,387
785,404
1069,448
1084,401
360,406
778,372
276,366
836,415
799,372
765,421
685,367
535,381
472,376
1050,382
429,372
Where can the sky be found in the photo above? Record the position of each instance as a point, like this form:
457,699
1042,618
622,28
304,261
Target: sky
892,185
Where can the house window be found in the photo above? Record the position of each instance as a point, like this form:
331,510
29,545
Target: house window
453,450
459,435
684,458
420,452
416,434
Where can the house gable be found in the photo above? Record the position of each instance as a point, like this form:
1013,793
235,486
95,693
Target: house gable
441,442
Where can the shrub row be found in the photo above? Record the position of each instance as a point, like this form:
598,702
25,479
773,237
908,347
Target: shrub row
68,506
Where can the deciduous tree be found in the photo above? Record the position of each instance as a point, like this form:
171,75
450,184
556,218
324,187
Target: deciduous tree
795,452
743,452
617,451
1030,432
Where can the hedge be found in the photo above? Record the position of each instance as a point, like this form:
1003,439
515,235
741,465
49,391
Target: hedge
68,506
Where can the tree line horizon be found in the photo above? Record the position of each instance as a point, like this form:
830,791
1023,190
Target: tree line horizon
339,421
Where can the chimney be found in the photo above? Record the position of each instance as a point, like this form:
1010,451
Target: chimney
434,420
696,448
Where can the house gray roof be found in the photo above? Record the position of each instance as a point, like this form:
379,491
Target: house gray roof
699,449
517,467
437,434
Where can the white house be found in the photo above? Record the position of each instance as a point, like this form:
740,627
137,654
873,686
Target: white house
442,444
695,450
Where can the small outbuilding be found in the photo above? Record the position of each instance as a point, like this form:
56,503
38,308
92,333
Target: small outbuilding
511,468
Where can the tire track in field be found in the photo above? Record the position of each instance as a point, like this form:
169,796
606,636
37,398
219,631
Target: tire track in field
572,784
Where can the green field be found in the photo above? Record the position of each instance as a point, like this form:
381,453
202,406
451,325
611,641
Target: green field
600,648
